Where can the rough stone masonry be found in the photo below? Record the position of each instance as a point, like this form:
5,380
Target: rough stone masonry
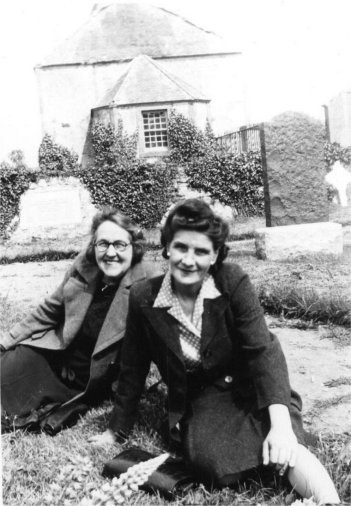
296,203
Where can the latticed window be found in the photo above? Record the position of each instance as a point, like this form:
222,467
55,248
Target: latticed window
155,129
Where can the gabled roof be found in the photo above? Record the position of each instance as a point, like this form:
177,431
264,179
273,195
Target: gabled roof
119,32
145,82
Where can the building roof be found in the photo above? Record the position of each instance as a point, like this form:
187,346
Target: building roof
145,81
120,32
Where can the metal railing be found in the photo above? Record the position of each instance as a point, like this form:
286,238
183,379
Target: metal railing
241,141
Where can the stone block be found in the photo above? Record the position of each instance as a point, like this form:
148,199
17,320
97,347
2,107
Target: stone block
286,242
53,208
294,186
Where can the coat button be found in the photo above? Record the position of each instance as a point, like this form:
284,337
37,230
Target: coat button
208,353
228,379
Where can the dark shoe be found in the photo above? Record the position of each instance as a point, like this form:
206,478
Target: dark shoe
63,417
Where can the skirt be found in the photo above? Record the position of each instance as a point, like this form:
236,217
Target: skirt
223,437
29,380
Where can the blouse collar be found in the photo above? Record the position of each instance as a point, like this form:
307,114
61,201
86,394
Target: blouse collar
166,298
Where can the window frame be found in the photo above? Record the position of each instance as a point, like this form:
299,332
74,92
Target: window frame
163,130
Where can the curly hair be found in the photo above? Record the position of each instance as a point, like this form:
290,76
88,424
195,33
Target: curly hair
120,219
196,215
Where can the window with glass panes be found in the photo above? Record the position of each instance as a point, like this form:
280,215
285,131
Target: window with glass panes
155,129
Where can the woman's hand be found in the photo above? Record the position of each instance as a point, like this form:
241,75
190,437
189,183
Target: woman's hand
280,445
280,449
106,438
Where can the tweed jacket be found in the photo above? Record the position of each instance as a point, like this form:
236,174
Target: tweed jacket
56,321
237,350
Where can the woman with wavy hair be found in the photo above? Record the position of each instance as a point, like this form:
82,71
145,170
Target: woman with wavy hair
64,356
231,410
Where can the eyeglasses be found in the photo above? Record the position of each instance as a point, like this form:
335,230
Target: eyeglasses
119,246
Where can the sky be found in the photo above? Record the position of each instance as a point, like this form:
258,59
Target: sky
297,54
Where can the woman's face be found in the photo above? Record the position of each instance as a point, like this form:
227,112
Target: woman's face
191,254
113,250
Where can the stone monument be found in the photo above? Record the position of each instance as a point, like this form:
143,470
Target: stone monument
53,208
295,191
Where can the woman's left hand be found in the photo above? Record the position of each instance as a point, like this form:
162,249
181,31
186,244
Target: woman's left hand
280,449
280,445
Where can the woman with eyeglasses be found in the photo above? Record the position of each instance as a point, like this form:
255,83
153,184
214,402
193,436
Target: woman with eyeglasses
64,356
231,411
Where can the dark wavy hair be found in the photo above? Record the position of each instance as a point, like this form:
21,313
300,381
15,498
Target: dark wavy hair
120,219
196,215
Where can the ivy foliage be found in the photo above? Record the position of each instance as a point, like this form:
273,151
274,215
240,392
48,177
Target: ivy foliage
235,180
118,178
15,178
111,145
186,141
141,191
333,152
55,159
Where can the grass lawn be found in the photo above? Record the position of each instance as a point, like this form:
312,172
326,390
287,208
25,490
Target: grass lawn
62,470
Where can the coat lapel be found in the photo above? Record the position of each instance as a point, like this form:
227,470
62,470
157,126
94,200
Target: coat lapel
166,327
79,295
114,326
212,319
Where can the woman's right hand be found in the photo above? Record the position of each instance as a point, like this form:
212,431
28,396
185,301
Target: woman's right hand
106,438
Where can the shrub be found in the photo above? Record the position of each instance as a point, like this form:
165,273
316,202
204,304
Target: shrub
235,180
55,159
186,141
117,178
333,152
142,191
15,178
111,145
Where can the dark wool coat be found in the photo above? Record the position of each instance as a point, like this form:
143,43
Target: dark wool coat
54,324
222,415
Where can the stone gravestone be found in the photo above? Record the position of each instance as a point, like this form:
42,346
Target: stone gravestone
295,190
59,207
43,207
294,179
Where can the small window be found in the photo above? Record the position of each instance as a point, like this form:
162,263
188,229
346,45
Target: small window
155,129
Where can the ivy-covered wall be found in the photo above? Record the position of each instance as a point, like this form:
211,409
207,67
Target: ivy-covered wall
117,177
142,189
235,180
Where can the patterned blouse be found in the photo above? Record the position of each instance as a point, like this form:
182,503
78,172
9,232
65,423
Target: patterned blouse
189,331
